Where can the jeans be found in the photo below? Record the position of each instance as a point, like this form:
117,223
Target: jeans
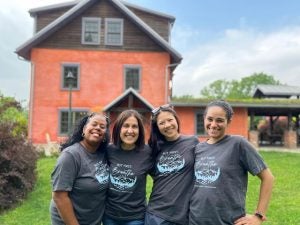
110,221
151,219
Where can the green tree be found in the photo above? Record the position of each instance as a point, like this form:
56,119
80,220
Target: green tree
234,89
218,89
12,112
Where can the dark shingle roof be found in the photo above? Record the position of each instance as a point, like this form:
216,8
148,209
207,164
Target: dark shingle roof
77,9
283,91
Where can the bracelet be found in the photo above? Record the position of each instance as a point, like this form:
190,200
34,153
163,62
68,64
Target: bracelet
260,215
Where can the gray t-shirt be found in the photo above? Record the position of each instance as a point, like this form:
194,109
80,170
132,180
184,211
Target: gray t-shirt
173,179
127,184
85,176
221,178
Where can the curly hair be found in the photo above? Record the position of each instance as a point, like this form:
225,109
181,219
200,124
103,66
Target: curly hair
76,135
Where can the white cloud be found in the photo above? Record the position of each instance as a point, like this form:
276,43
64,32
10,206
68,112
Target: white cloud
239,53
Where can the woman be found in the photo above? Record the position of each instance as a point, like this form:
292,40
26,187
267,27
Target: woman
130,161
173,172
221,167
80,177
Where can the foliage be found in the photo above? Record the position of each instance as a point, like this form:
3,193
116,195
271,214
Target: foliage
223,89
286,196
17,167
11,111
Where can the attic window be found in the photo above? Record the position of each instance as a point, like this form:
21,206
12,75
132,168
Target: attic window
90,30
113,31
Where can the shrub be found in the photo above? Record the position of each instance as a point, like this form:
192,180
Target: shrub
17,166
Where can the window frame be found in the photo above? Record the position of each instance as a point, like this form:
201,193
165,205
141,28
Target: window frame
126,67
74,110
83,31
199,113
63,85
106,39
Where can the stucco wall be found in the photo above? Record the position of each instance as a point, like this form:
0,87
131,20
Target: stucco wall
101,81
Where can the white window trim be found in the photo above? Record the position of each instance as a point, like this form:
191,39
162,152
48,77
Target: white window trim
121,31
92,19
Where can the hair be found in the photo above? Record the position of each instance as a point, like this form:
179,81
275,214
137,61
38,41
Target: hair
76,135
224,105
155,135
140,142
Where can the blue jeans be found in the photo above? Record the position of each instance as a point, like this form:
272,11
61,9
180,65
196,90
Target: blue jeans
151,219
110,221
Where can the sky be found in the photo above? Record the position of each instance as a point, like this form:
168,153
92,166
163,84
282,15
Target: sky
218,39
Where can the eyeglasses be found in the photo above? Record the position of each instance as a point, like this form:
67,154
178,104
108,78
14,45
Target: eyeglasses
158,109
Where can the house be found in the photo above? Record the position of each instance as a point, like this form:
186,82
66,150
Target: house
109,55
106,47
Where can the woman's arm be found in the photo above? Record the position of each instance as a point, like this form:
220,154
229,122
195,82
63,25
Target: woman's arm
266,186
65,207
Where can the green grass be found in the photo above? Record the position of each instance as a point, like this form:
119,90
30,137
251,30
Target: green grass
284,208
35,209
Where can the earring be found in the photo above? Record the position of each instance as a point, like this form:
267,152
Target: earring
82,134
104,139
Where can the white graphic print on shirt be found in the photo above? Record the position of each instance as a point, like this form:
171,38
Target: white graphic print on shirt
170,162
206,171
122,177
102,172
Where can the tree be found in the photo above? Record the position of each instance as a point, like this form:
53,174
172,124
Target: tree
17,155
11,111
223,89
218,89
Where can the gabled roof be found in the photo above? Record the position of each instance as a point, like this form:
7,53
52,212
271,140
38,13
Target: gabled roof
78,8
129,91
34,11
283,91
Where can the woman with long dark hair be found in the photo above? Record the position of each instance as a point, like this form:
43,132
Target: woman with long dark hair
80,177
173,171
130,161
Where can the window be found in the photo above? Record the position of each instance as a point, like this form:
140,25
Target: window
113,31
74,70
132,77
91,31
76,115
200,123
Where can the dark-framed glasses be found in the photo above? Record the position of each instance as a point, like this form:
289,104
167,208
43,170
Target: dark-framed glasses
158,109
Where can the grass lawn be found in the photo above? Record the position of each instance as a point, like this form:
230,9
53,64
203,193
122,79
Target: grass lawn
284,208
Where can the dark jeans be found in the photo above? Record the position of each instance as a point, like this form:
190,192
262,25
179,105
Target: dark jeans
151,219
110,221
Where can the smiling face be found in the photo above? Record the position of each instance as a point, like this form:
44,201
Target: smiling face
167,125
215,123
94,131
129,133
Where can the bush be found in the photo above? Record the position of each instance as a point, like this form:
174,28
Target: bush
17,166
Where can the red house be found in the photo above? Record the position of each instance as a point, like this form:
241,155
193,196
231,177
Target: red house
104,55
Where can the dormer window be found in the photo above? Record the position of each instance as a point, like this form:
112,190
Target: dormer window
113,31
91,30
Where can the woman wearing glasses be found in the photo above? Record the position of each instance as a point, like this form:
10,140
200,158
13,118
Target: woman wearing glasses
80,177
173,171
130,161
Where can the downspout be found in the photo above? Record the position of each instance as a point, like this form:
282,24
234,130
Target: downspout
167,99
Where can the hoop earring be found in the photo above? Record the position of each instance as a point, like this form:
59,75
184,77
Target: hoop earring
82,134
104,139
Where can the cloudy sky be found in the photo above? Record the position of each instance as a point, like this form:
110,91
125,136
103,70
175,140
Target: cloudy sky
218,39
